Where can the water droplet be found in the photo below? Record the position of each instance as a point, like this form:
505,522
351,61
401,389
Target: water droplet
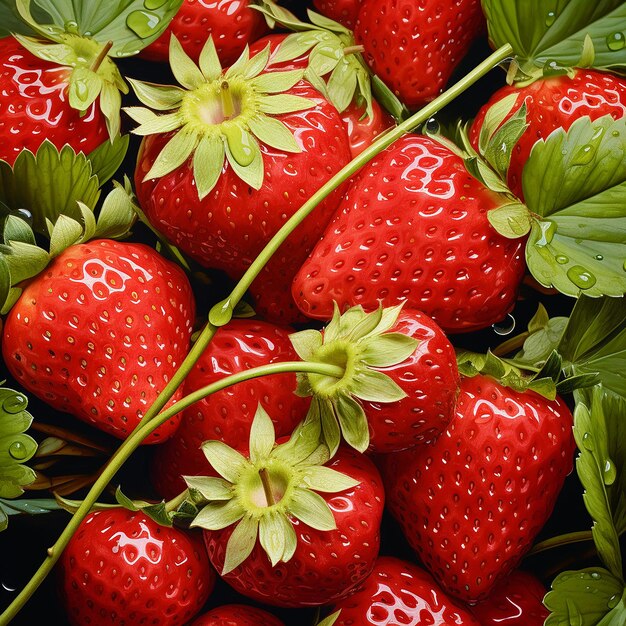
616,41
581,277
154,4
71,27
506,327
583,155
221,313
553,68
613,601
240,143
550,18
15,403
599,257
548,229
24,214
595,575
18,451
588,442
610,473
143,23
82,90
561,259
432,126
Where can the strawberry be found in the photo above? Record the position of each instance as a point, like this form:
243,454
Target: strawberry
398,593
515,601
414,47
237,615
216,174
121,567
400,378
227,415
312,548
231,23
553,102
471,503
35,105
100,332
413,228
343,11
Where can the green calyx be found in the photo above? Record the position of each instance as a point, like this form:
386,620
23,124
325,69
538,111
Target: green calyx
362,345
336,67
218,115
262,494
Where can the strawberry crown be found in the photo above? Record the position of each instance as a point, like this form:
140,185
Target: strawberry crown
263,493
219,116
84,36
361,344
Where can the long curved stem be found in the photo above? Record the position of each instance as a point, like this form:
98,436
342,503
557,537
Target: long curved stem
561,540
130,445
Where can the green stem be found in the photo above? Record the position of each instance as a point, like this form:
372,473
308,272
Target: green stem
130,445
561,540
174,503
95,66
222,312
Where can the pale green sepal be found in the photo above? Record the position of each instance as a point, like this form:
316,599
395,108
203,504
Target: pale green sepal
158,124
374,386
175,152
65,233
389,349
208,163
365,326
209,61
16,229
273,133
342,85
186,72
292,47
327,24
303,386
88,220
511,220
503,142
262,435
25,261
284,103
277,82
311,509
239,66
291,539
84,88
272,537
495,115
353,422
482,171
57,53
330,620
241,543
325,479
118,213
241,144
210,487
227,462
306,343
388,319
325,57
108,157
219,515
588,55
159,97
141,115
257,64
302,443
317,82
252,174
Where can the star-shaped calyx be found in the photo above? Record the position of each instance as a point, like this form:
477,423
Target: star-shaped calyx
361,343
262,494
218,115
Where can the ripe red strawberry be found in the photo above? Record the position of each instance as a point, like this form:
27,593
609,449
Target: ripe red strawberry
100,332
121,567
413,228
398,593
312,548
551,103
34,105
228,414
231,23
415,46
400,378
237,615
515,601
343,11
471,503
218,176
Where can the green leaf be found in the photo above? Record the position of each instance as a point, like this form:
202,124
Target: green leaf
218,515
311,509
577,180
586,598
273,133
326,479
186,72
49,184
306,343
175,152
210,488
25,261
5,281
389,349
208,163
354,425
16,229
272,536
240,544
66,233
560,33
375,386
108,157
117,214
511,220
284,103
262,436
227,462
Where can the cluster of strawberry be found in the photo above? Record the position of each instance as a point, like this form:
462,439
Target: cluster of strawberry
290,163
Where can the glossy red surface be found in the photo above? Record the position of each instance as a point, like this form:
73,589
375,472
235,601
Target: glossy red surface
237,615
34,106
343,11
123,568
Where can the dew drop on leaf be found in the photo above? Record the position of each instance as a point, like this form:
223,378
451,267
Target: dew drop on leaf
613,601
18,451
561,259
594,575
599,257
221,313
583,155
505,327
581,277
14,403
548,230
154,4
610,473
143,23
588,443
432,126
550,18
616,41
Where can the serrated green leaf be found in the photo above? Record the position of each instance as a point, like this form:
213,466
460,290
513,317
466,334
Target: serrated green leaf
211,488
49,184
311,509
560,33
584,597
240,544
326,479
108,157
511,220
208,163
